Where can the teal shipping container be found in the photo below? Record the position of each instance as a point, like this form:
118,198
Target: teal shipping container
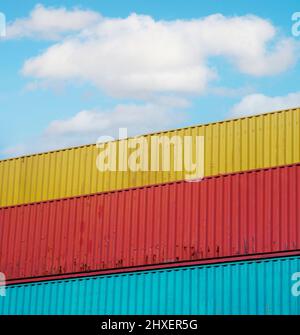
269,286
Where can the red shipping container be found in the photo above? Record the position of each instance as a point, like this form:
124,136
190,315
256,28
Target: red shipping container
243,214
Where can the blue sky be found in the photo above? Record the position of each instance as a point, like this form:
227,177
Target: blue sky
73,72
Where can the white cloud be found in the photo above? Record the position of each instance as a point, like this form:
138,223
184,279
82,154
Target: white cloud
51,23
137,118
161,62
87,125
138,56
260,103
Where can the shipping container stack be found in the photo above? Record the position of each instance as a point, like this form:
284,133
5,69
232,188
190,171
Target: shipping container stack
76,240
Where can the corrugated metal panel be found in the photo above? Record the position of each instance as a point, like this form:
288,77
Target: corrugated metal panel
239,214
263,287
257,142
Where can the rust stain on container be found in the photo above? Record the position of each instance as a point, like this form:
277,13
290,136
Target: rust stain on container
238,214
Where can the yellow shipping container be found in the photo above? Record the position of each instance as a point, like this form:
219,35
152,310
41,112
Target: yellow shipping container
230,146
